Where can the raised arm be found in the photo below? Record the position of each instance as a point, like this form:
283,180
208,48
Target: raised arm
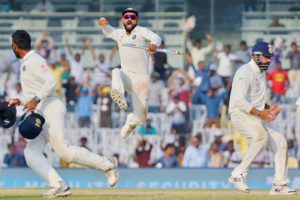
107,29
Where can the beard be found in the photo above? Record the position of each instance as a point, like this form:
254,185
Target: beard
129,26
263,66
16,54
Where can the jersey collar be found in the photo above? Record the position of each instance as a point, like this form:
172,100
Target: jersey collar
27,55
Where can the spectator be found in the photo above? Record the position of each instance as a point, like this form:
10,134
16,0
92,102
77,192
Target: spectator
43,6
179,85
57,72
243,53
215,81
20,146
212,103
105,107
232,156
84,108
294,57
225,64
148,129
169,159
276,23
176,109
219,140
201,80
44,45
12,159
143,152
160,62
71,96
279,83
216,157
196,153
83,143
155,94
101,73
76,62
198,52
64,63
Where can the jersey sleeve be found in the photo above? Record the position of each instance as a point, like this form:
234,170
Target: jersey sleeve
42,71
110,32
152,37
240,86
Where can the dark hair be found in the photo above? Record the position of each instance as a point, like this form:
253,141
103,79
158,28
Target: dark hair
228,46
294,44
243,42
22,39
197,41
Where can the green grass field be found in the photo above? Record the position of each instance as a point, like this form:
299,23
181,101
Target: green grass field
145,194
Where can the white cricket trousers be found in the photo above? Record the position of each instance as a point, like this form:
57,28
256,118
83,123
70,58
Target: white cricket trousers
138,86
54,111
260,136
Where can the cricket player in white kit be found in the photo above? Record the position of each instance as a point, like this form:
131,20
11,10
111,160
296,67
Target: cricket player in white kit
38,86
252,117
134,74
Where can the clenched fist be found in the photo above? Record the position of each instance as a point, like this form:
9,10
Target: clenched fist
102,21
152,48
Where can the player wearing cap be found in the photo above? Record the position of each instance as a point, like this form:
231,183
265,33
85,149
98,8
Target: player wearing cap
252,117
38,86
134,75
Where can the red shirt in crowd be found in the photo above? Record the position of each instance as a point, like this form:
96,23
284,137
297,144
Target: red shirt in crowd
279,79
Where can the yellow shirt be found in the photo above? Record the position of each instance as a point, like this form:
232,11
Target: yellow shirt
57,73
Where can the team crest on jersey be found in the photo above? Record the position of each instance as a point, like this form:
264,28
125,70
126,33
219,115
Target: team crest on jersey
133,37
23,68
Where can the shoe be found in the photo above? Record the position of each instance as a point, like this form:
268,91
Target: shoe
239,183
127,129
61,191
113,175
119,98
282,190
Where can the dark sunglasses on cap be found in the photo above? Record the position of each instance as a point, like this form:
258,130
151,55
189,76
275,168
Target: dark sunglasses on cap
133,17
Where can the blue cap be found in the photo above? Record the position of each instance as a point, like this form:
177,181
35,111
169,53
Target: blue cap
8,115
263,48
31,125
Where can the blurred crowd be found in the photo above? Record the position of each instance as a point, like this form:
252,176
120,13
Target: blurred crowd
204,80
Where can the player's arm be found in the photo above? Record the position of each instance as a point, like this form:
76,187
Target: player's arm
154,39
210,45
107,29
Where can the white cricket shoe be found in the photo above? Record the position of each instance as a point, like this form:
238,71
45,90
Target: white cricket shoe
127,129
282,190
239,183
61,191
113,175
119,98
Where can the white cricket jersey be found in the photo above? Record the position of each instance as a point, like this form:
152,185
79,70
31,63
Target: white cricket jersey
36,78
248,89
133,59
